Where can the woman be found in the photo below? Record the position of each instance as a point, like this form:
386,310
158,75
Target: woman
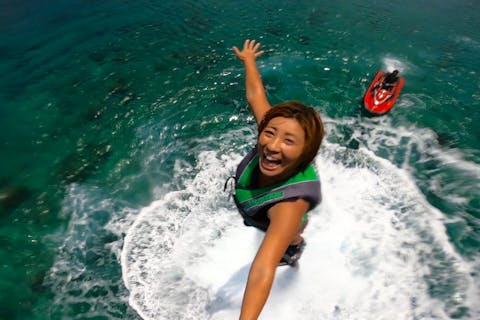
276,185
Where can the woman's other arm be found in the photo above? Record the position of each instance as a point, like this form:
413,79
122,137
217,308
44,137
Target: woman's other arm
285,220
255,90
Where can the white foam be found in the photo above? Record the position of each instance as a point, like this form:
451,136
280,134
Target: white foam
84,255
372,249
391,63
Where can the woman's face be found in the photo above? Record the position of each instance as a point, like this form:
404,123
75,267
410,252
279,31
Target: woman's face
280,146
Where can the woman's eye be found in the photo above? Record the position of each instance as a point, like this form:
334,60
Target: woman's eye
289,141
268,133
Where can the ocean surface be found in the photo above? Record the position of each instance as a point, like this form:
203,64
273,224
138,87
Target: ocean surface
121,120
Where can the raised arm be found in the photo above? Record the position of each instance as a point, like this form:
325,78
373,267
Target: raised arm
255,90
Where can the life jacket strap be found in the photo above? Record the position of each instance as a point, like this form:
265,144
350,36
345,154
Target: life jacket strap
231,185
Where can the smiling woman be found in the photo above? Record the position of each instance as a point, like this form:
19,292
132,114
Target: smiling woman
304,129
281,144
276,183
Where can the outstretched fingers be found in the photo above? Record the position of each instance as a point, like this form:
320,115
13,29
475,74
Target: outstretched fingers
251,48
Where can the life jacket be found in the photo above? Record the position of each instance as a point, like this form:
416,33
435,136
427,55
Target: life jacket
305,184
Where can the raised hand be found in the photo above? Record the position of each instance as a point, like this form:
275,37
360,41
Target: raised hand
250,50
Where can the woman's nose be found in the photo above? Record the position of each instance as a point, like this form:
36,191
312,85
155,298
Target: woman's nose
274,145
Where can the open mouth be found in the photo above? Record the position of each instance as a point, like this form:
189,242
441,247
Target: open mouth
270,163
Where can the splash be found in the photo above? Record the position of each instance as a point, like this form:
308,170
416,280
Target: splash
375,249
392,63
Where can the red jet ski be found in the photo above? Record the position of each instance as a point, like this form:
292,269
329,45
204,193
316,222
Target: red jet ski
381,96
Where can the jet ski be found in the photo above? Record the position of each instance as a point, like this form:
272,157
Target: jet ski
381,96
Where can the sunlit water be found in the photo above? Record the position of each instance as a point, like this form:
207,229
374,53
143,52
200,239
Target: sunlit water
121,122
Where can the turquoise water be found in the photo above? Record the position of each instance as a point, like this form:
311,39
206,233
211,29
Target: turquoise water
121,120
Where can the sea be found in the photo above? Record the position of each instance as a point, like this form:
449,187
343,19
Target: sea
120,122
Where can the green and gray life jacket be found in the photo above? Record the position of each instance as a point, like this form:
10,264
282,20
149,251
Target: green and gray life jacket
250,201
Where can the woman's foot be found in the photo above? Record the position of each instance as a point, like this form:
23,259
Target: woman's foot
293,253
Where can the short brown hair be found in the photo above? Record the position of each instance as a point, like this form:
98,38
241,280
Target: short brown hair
308,119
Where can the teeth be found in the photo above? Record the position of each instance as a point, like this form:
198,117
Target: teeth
270,158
